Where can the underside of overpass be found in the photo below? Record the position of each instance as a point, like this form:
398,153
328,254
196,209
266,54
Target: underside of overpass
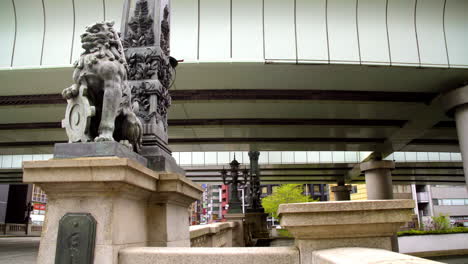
263,76
446,173
256,106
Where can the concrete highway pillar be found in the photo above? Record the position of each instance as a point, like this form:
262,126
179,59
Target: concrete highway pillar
455,103
342,192
378,179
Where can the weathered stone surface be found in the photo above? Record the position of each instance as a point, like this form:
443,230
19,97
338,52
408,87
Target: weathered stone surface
148,255
121,195
339,206
212,235
321,225
168,217
239,236
100,106
359,255
100,170
96,149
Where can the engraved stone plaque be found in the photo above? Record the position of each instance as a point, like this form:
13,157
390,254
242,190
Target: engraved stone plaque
76,239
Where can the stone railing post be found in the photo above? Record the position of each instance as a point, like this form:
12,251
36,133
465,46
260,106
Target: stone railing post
323,225
168,215
212,235
238,234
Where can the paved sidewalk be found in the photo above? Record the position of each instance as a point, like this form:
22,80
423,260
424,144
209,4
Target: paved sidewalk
19,250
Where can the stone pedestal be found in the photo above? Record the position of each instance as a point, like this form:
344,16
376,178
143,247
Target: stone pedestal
168,215
257,224
455,103
97,149
342,192
120,194
160,160
378,179
322,225
238,236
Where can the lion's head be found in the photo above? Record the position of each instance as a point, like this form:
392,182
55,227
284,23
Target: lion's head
99,35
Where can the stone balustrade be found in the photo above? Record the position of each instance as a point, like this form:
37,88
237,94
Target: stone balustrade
212,235
259,255
325,233
356,255
20,229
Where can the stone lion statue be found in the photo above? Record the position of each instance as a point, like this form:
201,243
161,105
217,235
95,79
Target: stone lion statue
99,102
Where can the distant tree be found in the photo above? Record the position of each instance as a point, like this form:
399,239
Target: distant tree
286,193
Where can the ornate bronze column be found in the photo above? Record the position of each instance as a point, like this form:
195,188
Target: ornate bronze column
145,33
254,183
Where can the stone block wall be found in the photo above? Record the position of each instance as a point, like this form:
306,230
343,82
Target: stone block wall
212,235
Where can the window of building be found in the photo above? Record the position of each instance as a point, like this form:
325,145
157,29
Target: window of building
316,188
458,201
265,190
38,195
445,202
450,201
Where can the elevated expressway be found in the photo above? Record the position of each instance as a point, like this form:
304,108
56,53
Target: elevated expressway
262,75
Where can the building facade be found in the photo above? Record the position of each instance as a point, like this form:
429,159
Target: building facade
437,200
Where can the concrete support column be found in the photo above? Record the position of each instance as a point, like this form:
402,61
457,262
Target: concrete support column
342,192
455,103
378,179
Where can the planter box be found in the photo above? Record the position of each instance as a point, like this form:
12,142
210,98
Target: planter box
425,244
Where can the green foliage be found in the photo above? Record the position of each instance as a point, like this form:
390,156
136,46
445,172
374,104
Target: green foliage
433,232
286,193
283,233
441,222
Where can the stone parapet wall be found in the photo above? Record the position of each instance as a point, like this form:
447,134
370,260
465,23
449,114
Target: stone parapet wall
356,255
149,255
20,229
212,235
260,255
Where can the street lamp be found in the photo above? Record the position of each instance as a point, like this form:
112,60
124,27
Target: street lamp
233,179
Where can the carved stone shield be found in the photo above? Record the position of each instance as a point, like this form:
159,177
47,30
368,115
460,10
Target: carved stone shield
78,117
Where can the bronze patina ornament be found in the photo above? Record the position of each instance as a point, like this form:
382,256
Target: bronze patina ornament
76,239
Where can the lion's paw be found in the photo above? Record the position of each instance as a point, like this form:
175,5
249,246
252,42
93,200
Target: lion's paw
102,138
70,92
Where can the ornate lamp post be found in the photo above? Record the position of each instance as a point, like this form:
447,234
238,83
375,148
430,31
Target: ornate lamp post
254,183
233,179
